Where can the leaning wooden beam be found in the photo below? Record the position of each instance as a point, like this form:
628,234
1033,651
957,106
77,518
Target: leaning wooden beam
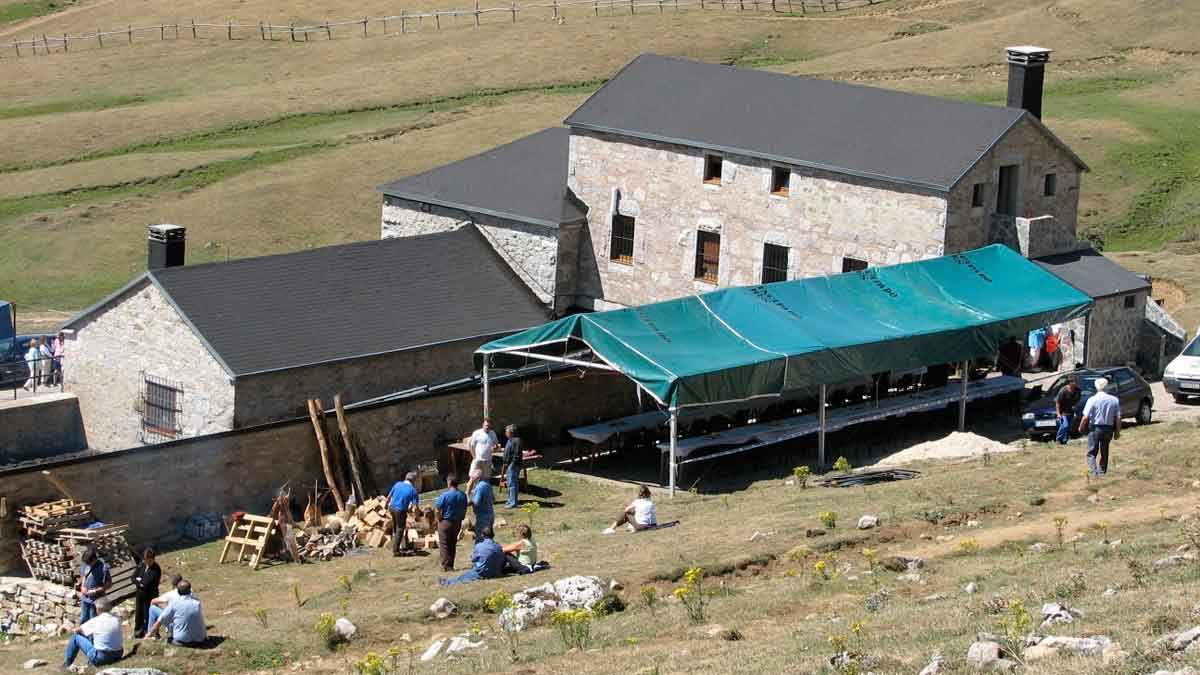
329,478
58,485
335,459
348,443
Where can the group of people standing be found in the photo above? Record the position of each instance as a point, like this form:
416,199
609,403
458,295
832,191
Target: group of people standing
43,357
1100,419
99,635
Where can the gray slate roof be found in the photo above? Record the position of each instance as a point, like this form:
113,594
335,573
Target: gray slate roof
1092,273
525,180
339,302
851,129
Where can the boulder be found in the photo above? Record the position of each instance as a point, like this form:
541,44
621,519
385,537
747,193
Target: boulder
344,629
1038,652
899,563
442,608
33,663
462,645
867,522
971,588
1077,646
433,650
1040,547
1173,561
579,592
813,532
935,667
534,605
1182,641
983,654
1053,612
1109,592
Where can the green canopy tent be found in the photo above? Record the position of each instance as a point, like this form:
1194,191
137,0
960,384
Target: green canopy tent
737,344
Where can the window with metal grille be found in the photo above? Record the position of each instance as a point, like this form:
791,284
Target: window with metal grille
162,402
621,247
853,264
712,169
775,263
781,180
977,196
708,255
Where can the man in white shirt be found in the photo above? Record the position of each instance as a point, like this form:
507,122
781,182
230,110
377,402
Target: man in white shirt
184,618
483,443
99,638
1101,421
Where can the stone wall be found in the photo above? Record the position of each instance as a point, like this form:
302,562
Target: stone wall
824,218
41,426
1114,333
1027,146
138,334
32,607
282,394
242,469
530,250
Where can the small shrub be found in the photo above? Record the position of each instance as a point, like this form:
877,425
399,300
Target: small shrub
1161,624
1138,570
802,474
877,600
348,585
932,517
296,596
969,546
1015,627
496,603
828,519
530,509
842,465
574,627
731,635
260,615
1060,522
825,569
371,664
692,595
650,598
324,628
1073,587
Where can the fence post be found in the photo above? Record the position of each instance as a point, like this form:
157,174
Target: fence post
229,30
100,38
17,45
476,13
364,26
292,31
270,32
741,5
176,31
660,9
596,7
836,7
66,42
514,12
632,9
403,23
437,18
262,32
193,29
328,31
556,10
790,7
130,34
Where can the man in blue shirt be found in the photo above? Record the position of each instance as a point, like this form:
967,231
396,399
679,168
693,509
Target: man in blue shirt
183,618
1102,413
452,508
95,580
402,497
487,560
483,501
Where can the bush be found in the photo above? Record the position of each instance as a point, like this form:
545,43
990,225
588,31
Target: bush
325,630
692,595
828,519
802,474
574,627
842,465
650,597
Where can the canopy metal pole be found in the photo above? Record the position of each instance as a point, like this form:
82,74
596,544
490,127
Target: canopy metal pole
486,407
674,433
821,431
962,399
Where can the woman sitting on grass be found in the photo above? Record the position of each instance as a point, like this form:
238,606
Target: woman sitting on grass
521,556
640,515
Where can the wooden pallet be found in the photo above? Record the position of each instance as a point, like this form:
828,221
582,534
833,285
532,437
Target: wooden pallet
249,531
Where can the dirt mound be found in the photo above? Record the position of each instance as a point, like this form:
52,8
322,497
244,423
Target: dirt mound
957,446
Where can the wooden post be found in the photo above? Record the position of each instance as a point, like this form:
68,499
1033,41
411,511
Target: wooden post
821,431
962,397
403,23
836,7
229,30
348,443
660,6
262,32
193,29
790,6
476,13
596,7
66,42
46,42
514,12
328,31
556,10
100,38
17,45
632,9
324,450
364,26
176,31
270,32
292,30
437,18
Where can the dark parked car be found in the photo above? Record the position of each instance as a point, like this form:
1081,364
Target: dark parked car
1137,402
13,370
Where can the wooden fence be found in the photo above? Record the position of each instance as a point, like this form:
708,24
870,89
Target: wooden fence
405,22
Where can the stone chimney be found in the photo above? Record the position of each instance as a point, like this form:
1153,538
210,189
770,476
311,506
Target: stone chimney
1026,71
166,244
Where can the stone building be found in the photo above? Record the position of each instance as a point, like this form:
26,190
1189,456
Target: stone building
188,350
678,177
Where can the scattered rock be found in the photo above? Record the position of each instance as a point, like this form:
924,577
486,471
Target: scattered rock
813,532
972,523
1053,613
934,667
983,654
867,522
758,535
1077,646
971,588
533,605
579,592
910,577
1038,652
1181,641
1186,671
790,481
943,538
1110,592
344,629
936,597
899,563
33,663
1039,547
615,585
434,649
463,645
131,671
1173,561
442,608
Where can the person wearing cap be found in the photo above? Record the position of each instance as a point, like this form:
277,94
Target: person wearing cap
1101,421
513,451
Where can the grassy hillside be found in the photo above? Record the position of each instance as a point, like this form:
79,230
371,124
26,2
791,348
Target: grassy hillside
266,147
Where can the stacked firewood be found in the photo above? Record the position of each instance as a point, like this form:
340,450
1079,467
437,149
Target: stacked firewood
317,545
56,534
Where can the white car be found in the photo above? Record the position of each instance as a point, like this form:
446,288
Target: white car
1182,376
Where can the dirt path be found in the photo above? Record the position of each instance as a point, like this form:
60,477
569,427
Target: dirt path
12,30
1132,510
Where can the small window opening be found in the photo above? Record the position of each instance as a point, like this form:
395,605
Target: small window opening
977,196
621,248
775,263
708,256
1051,185
1130,302
853,265
781,179
712,169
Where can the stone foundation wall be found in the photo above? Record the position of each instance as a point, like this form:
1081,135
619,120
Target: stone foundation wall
282,395
530,250
1115,331
824,218
1025,145
42,426
243,469
140,333
32,607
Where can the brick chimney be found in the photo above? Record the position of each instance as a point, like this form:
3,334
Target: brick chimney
166,245
1026,70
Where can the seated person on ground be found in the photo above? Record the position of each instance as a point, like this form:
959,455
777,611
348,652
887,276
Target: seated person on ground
157,605
183,618
487,561
99,638
521,557
639,515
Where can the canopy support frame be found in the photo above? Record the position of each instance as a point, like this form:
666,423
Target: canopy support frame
486,392
821,431
673,459
962,399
